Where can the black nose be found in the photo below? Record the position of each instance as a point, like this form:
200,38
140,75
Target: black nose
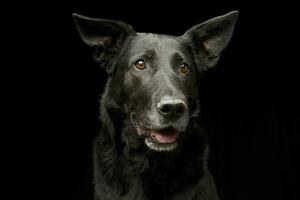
171,108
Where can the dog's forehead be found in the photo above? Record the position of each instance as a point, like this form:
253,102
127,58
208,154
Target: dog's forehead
158,43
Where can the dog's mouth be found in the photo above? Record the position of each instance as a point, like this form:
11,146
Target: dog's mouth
160,139
165,136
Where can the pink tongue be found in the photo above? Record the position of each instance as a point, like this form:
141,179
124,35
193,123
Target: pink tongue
170,138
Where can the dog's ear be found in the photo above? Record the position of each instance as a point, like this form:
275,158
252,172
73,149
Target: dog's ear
107,36
210,38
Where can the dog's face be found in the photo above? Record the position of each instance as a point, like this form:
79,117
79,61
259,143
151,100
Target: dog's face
153,76
159,79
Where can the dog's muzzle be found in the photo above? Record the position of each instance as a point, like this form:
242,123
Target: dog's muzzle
162,127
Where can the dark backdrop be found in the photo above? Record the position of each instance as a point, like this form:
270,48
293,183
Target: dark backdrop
249,102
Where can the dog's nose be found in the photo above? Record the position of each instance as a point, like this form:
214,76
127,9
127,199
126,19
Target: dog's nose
171,107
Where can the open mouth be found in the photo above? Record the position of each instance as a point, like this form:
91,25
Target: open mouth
161,140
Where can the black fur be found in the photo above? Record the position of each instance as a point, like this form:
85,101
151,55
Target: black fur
126,168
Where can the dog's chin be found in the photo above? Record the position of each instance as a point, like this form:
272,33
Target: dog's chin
161,140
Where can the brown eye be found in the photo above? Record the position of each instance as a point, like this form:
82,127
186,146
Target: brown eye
184,68
140,64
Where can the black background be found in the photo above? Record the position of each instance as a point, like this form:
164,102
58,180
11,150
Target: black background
249,102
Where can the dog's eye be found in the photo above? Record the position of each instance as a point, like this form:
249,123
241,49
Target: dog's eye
184,68
140,64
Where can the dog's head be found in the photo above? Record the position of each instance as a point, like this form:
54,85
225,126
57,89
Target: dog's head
153,76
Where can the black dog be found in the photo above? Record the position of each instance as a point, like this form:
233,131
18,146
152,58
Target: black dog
150,146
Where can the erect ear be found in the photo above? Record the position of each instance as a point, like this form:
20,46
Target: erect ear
210,38
107,36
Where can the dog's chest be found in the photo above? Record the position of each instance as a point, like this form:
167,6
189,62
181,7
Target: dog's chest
203,190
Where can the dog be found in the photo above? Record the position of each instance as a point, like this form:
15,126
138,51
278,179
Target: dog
150,146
